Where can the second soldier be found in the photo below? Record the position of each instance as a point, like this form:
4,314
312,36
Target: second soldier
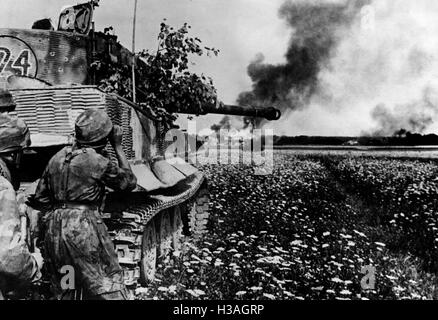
72,189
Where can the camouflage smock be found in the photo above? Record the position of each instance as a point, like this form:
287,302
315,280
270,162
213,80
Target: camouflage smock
17,266
77,236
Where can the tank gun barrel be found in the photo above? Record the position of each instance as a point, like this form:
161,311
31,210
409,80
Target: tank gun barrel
269,113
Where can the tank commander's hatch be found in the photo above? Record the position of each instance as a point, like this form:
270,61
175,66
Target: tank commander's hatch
77,18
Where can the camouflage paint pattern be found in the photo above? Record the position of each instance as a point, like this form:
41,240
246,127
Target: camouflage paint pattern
77,236
17,266
51,56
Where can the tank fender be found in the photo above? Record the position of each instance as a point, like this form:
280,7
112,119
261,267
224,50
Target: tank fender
162,173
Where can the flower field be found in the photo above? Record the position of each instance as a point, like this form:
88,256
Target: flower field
318,227
405,198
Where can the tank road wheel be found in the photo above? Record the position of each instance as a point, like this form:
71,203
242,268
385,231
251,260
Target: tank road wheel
198,214
148,262
166,237
177,229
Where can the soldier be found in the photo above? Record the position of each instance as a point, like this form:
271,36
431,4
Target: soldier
73,184
18,267
7,103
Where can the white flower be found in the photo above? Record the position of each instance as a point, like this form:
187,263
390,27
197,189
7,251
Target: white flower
256,288
141,291
359,233
218,263
193,256
317,288
296,243
269,296
195,292
199,292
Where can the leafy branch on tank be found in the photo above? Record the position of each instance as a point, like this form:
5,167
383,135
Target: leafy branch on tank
165,84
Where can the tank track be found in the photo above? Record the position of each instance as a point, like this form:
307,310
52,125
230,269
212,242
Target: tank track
198,213
169,218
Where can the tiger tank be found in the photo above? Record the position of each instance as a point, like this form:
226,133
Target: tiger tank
49,74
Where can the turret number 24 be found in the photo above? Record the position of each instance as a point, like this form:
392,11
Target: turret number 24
19,66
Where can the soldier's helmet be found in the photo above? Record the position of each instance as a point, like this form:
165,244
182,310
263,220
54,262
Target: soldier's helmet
92,126
14,134
7,103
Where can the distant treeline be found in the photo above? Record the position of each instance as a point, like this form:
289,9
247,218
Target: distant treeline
404,139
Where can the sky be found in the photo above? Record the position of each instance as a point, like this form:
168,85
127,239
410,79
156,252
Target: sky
239,28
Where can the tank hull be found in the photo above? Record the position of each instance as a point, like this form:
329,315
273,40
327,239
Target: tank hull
156,211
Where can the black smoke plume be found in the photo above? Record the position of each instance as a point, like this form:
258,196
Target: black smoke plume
225,123
315,27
